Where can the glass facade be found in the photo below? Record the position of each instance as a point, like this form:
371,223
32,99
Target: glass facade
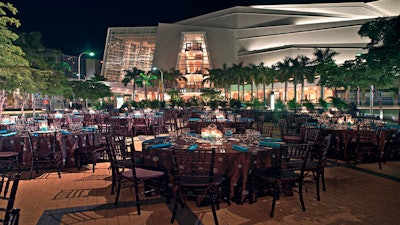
193,60
126,48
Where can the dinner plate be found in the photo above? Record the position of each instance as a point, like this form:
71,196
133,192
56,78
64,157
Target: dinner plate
232,139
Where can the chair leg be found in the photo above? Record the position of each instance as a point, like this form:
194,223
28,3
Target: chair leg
317,185
59,171
214,213
118,192
301,195
94,164
30,175
177,200
18,164
379,160
323,179
137,198
275,195
113,184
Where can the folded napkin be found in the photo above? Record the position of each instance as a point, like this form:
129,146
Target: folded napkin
162,145
3,131
192,147
392,126
270,144
268,139
194,119
240,148
91,129
162,137
8,134
65,132
228,133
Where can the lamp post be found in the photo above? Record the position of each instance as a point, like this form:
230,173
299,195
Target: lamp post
79,62
86,101
79,69
162,82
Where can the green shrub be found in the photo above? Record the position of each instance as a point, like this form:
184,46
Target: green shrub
324,104
339,103
309,105
279,105
292,104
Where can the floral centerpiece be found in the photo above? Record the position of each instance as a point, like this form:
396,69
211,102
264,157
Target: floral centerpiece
211,132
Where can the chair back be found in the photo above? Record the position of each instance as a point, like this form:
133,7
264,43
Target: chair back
283,127
8,191
311,135
197,164
119,126
295,156
325,145
112,156
44,144
367,136
267,131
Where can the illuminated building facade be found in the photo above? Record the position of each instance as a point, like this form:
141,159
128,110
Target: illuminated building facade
247,34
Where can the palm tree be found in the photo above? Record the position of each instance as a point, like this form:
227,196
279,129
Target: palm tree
254,73
307,71
237,71
226,80
132,75
284,73
324,63
301,71
146,80
174,76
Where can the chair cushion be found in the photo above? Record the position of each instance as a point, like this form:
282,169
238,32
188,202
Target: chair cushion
292,138
8,154
143,174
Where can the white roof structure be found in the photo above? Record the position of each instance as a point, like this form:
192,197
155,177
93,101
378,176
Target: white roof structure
267,33
260,33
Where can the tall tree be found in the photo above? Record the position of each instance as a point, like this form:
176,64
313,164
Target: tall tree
90,89
132,76
173,77
254,73
383,55
302,71
284,73
14,68
145,80
46,68
324,64
237,71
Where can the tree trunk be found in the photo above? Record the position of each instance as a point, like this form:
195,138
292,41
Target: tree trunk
322,92
265,95
133,90
286,87
23,106
379,98
251,90
34,105
257,89
295,91
2,100
145,92
238,86
243,92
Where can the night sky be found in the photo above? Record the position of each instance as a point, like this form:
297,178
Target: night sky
74,26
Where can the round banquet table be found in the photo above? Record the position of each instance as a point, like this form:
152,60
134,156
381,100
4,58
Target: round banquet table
233,165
